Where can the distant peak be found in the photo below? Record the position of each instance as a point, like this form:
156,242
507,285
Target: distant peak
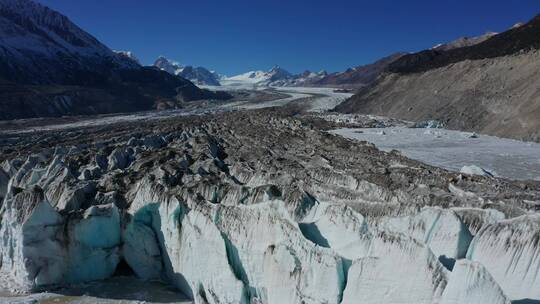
128,55
519,24
276,68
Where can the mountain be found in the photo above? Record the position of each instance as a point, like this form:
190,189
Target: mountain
490,87
352,78
275,76
169,66
463,42
359,76
51,67
39,45
128,55
304,79
198,75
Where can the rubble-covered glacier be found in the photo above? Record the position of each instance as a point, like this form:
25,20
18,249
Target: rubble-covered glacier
276,212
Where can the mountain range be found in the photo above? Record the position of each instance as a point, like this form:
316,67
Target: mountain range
352,78
198,75
51,67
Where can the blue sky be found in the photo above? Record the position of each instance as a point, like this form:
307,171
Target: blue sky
235,36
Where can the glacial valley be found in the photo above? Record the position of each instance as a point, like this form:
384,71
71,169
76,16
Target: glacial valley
253,203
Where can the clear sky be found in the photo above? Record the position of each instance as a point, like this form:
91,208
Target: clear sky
234,36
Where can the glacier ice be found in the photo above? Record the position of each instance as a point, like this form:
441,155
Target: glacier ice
301,228
94,244
262,234
338,227
510,251
176,237
399,269
475,170
475,218
30,228
470,282
295,274
441,229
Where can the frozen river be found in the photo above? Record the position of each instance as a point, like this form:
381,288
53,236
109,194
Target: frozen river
454,149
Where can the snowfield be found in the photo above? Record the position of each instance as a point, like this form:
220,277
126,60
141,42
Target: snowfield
454,150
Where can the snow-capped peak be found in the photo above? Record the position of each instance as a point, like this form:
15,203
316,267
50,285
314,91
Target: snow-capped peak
35,38
276,73
169,66
198,75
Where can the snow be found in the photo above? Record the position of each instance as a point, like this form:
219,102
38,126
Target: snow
29,29
273,77
251,77
454,149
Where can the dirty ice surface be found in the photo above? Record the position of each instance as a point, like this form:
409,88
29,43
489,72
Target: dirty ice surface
454,149
116,290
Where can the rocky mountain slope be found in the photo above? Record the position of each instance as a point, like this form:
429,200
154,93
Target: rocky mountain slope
491,87
198,75
51,67
129,56
258,207
359,76
463,42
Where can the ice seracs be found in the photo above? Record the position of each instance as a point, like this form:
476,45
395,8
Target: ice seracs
338,227
167,239
510,251
440,229
476,218
385,276
227,216
470,282
32,254
94,241
273,258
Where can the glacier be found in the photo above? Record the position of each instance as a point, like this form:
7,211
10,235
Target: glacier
196,208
